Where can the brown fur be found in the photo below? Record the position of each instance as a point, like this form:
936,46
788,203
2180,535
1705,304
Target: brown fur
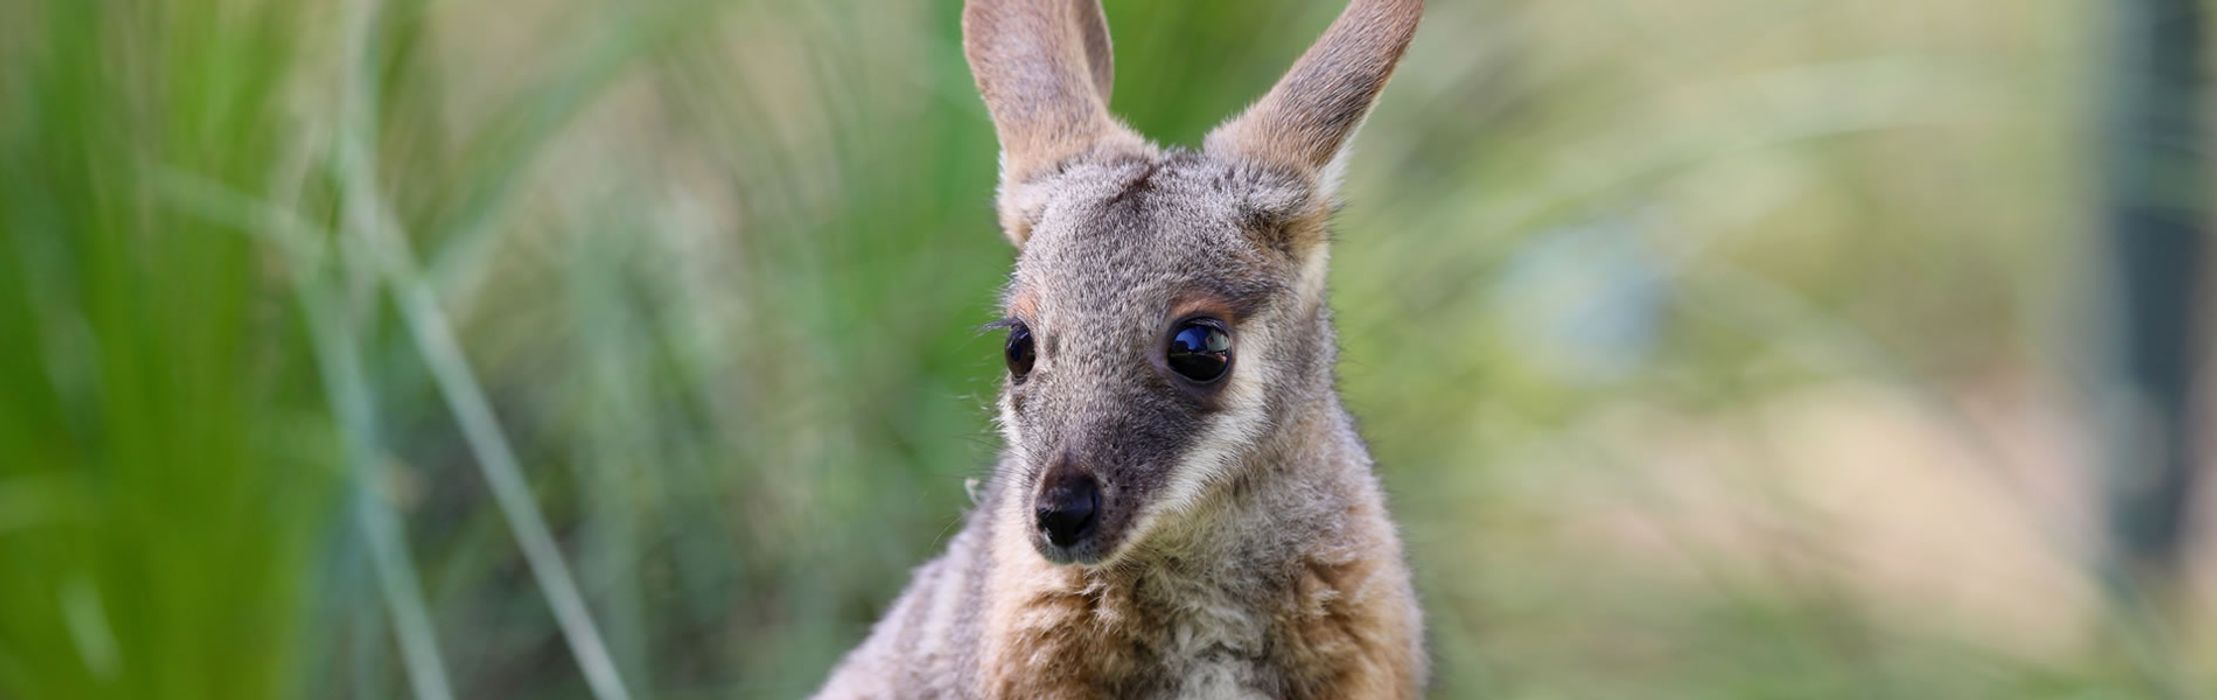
1340,624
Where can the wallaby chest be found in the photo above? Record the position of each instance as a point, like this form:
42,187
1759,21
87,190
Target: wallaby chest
1236,628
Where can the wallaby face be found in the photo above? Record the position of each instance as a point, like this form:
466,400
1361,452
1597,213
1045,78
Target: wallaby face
1158,303
1183,508
1161,298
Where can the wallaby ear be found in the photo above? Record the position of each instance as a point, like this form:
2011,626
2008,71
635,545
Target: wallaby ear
1044,69
1308,118
1100,55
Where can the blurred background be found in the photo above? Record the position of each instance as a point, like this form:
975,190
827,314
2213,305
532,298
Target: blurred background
601,349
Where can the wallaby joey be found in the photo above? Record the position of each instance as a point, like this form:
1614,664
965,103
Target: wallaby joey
1183,507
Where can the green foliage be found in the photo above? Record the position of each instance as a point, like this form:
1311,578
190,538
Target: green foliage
162,448
716,269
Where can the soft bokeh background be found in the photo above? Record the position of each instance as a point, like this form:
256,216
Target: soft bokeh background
593,349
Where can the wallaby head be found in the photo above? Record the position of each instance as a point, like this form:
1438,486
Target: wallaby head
1166,316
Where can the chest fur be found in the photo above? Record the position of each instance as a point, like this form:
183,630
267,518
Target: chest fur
1305,629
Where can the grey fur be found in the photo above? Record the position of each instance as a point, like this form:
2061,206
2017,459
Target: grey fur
1243,548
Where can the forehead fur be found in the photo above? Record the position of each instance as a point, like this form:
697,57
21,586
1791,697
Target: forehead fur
1195,182
1127,224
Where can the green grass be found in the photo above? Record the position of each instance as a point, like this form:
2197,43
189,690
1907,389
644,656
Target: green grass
319,315
162,448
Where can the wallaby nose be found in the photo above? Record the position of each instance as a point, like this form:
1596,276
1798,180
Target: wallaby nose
1067,506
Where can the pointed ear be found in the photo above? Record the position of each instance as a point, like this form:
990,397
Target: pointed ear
1308,118
1044,69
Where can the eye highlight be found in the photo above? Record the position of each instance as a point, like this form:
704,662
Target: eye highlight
1200,350
1019,351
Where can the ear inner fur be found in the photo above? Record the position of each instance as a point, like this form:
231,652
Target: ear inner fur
1043,70
1100,53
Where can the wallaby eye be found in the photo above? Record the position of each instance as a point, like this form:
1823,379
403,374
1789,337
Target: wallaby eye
1200,350
1019,351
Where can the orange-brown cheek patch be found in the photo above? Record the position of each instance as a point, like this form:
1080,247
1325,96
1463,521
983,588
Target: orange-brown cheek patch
1301,234
1021,306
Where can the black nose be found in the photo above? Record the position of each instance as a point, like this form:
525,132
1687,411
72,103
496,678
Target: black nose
1067,506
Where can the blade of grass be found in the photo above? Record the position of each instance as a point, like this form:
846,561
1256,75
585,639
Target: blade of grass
366,220
351,398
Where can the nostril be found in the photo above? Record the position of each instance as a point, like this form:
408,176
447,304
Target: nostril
1067,509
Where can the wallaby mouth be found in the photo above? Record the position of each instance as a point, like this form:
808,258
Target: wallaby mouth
1068,517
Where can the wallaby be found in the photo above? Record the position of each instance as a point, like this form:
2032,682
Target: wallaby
1183,508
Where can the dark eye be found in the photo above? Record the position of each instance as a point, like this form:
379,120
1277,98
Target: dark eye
1019,351
1200,350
